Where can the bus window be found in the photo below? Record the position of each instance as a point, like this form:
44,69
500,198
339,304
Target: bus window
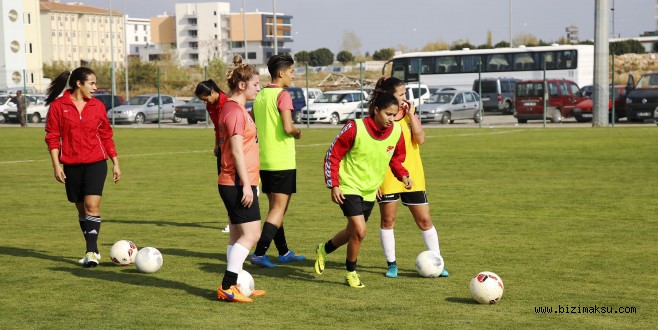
470,63
524,61
446,64
398,71
550,60
426,66
566,60
498,62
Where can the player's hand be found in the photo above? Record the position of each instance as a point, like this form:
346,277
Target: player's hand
116,173
407,182
379,194
299,136
247,196
337,195
409,107
59,174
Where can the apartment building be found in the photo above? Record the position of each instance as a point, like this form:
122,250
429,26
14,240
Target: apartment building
202,32
17,21
252,35
138,34
76,34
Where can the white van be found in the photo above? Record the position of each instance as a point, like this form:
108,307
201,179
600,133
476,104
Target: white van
333,107
311,94
412,93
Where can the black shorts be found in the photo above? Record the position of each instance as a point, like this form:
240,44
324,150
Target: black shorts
237,213
408,198
282,182
84,179
354,205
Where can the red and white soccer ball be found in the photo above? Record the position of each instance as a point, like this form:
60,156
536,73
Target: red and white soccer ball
149,260
487,288
123,253
245,283
429,264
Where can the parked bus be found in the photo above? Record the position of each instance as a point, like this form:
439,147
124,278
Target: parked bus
459,68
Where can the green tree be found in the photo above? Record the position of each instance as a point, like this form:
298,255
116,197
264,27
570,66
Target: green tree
344,57
321,57
217,71
626,47
459,45
501,44
383,54
302,56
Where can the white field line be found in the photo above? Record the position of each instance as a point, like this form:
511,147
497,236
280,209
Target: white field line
210,151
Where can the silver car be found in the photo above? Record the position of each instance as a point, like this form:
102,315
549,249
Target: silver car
142,108
448,106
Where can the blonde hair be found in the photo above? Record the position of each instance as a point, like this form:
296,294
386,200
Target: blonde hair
240,72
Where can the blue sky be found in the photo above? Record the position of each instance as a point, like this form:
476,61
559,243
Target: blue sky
414,23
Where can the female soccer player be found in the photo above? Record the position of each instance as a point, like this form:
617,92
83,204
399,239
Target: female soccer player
79,137
209,92
238,179
391,190
354,168
273,114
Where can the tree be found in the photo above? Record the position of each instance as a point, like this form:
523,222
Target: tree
461,44
344,57
217,71
489,39
525,39
351,42
626,47
383,54
321,57
501,44
436,45
302,56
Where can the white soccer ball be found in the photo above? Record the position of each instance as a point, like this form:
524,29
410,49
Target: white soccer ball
429,264
487,288
123,253
149,260
245,283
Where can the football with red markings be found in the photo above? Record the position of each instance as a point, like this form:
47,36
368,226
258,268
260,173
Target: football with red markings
123,253
487,288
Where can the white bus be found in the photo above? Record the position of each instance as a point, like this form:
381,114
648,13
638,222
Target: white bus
460,68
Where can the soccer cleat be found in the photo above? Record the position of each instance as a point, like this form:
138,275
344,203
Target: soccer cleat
90,259
319,261
232,294
290,256
82,261
261,261
444,273
258,293
352,279
392,271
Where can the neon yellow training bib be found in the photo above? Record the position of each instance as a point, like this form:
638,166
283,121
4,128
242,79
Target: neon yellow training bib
277,148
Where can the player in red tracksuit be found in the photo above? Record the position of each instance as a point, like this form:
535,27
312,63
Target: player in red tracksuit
79,137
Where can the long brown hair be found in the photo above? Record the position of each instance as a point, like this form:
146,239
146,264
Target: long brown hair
57,86
385,85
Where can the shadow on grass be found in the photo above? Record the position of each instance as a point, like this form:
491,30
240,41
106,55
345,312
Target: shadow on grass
132,276
21,252
461,300
161,223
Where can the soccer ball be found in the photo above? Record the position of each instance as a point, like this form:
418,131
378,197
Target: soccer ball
487,288
123,253
149,260
245,283
429,264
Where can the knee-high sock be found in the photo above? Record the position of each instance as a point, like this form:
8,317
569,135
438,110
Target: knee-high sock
269,230
237,257
93,228
280,241
388,244
228,250
431,239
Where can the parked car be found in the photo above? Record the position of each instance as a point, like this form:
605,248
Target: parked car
36,110
448,106
298,102
642,99
5,105
497,94
333,107
142,108
584,110
312,94
106,98
587,90
563,95
413,92
193,110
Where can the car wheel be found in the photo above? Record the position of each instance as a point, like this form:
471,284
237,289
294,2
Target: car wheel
581,120
477,118
334,119
445,118
557,116
297,117
192,121
507,109
35,118
522,121
177,119
139,118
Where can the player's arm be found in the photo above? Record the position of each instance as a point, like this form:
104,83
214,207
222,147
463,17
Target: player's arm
417,132
399,171
288,127
338,149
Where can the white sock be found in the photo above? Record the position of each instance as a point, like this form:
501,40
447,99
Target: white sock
228,250
237,257
388,243
431,239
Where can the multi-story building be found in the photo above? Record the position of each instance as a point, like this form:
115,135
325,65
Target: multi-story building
202,32
138,34
14,47
77,34
259,35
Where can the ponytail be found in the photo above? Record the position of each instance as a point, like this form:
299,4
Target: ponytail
240,72
206,87
71,78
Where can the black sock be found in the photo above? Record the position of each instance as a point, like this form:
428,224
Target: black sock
280,241
82,220
269,230
230,278
350,265
329,247
93,228
392,263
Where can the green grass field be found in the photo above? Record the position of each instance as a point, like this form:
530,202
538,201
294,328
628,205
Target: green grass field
567,217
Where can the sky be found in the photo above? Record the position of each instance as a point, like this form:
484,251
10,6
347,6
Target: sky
414,23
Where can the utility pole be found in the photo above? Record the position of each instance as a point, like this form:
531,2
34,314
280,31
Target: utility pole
276,46
601,69
510,23
244,30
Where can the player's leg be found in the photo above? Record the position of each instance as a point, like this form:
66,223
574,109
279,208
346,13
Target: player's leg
388,207
356,227
420,210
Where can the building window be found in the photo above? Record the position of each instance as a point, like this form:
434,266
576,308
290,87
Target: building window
29,18
252,56
192,33
30,48
214,13
144,26
215,24
66,18
237,44
194,56
136,27
54,33
145,39
215,37
193,45
136,39
191,21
